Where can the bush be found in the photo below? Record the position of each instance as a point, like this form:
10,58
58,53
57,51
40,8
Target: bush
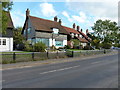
67,47
39,47
117,45
53,48
87,47
27,46
106,45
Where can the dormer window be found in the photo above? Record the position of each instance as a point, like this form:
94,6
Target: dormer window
76,35
55,31
72,34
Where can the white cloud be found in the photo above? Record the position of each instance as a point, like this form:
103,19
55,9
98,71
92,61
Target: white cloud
18,18
47,9
81,19
67,15
106,9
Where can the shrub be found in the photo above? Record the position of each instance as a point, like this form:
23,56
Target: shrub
53,47
67,47
39,47
87,47
117,45
106,45
27,46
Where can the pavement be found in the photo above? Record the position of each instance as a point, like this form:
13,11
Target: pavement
50,61
100,71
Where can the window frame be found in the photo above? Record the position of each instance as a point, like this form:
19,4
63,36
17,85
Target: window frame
0,41
4,43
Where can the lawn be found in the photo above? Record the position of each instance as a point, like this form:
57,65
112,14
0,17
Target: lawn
74,50
15,52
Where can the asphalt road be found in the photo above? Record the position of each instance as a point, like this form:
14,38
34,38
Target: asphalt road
101,72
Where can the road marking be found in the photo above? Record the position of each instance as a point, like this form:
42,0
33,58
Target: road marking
95,62
16,68
59,69
2,81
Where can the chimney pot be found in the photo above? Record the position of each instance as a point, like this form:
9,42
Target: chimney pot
81,30
87,31
78,28
74,25
60,21
55,18
27,12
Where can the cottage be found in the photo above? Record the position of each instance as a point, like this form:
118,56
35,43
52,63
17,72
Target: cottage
51,32
47,31
6,40
76,34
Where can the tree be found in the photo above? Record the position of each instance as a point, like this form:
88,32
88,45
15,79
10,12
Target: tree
106,30
96,43
6,6
17,36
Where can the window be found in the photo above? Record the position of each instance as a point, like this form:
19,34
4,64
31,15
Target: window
58,43
43,40
55,30
29,30
4,41
24,32
0,42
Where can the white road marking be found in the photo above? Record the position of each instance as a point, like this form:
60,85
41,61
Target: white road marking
16,68
2,81
95,62
59,69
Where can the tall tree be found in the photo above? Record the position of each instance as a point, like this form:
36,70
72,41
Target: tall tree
17,36
6,6
106,30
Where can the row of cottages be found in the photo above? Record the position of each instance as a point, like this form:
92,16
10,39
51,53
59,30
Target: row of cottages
6,39
51,32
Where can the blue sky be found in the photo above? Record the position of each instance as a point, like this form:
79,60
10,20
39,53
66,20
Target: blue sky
83,14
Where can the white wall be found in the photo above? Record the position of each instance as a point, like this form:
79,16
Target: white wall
64,42
8,46
83,44
50,43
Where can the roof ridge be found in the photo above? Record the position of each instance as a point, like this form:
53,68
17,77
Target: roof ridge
42,18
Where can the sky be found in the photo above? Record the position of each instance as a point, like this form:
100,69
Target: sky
82,13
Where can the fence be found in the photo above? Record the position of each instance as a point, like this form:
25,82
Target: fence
34,56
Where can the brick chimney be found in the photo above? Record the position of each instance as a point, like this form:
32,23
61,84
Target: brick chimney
60,21
78,28
74,25
27,12
87,32
55,18
81,30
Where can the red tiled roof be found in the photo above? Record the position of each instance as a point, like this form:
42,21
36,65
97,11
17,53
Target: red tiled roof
84,35
46,25
83,40
71,30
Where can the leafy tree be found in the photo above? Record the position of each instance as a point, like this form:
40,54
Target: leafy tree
96,43
17,36
106,30
76,42
6,6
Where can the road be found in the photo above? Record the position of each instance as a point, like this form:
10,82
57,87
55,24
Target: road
100,72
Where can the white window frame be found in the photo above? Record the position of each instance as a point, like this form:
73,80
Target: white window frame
0,41
4,43
55,30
